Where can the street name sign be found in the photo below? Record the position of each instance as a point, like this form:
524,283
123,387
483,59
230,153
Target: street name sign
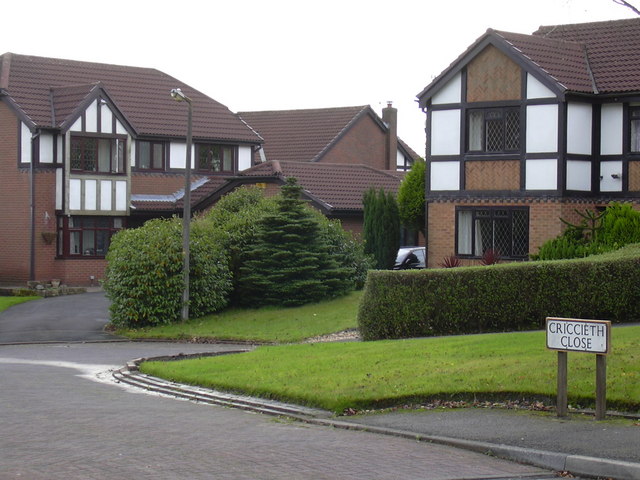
574,335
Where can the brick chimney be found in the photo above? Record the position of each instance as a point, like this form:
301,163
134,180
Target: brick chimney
390,118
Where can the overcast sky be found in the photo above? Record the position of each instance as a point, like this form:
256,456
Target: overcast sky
283,54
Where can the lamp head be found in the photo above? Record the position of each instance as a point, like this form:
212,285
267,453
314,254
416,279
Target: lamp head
177,94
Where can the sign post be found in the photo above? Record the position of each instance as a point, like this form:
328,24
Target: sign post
588,336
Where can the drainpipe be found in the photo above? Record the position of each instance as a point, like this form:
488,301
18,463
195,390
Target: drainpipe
32,209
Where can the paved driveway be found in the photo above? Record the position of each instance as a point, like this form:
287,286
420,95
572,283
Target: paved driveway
69,318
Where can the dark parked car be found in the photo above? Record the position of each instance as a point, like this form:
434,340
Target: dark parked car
410,257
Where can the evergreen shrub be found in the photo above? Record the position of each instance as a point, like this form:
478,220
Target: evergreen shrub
499,298
290,262
144,278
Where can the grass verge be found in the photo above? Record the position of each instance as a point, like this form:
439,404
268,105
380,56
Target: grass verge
269,324
363,375
6,302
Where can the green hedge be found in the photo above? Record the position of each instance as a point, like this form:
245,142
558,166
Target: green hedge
505,297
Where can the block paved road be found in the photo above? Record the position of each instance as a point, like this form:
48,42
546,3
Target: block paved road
58,422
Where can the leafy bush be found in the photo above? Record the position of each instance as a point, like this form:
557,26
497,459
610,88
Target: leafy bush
234,225
144,274
505,297
618,226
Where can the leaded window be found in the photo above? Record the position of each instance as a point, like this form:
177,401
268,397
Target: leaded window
493,130
99,155
503,229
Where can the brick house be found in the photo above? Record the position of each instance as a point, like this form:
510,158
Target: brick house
524,129
85,146
353,135
336,154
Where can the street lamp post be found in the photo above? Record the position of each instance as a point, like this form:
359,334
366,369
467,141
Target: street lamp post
177,95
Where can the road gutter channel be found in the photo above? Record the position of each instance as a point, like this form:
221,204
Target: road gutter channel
576,464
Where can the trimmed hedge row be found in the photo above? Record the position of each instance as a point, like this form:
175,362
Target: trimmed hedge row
497,298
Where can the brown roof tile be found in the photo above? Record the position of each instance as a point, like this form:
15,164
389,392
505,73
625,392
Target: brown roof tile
141,94
301,135
337,186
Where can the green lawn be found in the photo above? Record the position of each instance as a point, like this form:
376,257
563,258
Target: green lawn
271,324
6,302
385,373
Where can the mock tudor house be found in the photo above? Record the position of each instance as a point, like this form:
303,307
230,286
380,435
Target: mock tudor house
522,130
87,149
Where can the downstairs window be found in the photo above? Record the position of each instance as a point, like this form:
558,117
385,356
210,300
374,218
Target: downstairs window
86,236
505,230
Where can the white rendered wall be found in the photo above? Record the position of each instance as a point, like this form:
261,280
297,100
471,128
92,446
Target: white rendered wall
579,121
607,182
611,130
542,128
445,175
106,119
541,174
75,194
178,155
244,158
91,117
25,144
450,93
60,140
121,195
535,88
90,193
105,194
46,148
445,132
578,175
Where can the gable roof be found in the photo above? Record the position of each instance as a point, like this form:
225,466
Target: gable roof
45,90
334,188
587,58
303,135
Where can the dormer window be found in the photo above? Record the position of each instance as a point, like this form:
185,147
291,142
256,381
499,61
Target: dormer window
97,154
493,130
215,158
151,155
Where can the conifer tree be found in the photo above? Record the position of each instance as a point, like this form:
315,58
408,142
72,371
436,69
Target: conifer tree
290,262
381,227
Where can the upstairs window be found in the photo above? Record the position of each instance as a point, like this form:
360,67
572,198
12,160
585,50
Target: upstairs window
98,155
151,155
493,130
505,230
215,158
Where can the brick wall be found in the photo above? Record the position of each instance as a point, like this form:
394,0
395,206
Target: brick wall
14,203
364,143
544,224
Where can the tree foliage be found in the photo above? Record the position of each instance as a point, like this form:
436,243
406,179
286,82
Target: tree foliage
411,198
381,227
290,262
